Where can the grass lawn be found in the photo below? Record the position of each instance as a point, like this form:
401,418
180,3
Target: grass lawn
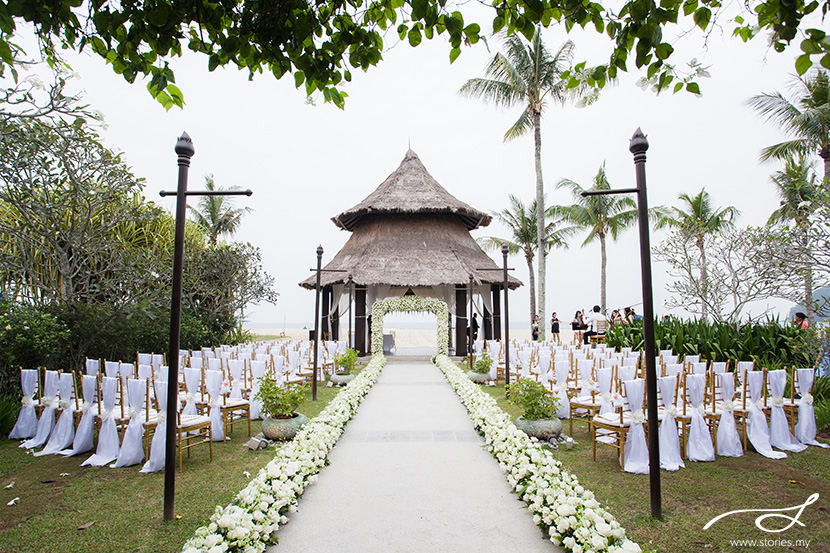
125,506
694,495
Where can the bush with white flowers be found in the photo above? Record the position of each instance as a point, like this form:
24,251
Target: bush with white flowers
410,304
564,510
249,523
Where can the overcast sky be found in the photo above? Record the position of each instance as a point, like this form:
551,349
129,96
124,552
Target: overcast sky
306,163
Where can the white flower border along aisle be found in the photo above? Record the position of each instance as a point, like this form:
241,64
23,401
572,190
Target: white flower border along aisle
410,304
249,523
564,510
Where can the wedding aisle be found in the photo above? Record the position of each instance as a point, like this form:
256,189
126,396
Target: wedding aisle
411,474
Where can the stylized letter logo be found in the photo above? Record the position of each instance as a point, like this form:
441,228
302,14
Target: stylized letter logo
771,513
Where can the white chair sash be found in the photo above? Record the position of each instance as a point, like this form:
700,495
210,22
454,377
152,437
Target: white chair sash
257,372
729,443
779,430
132,448
213,385
47,418
26,425
235,368
112,368
158,447
560,391
83,435
636,451
192,379
805,428
64,431
669,441
604,381
108,443
757,429
699,446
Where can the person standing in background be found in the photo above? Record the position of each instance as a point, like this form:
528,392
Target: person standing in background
554,328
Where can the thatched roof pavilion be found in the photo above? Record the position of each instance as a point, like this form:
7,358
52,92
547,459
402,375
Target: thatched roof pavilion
412,236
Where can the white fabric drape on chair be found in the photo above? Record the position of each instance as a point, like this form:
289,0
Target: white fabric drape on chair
235,367
192,380
132,448
83,435
108,443
158,447
757,429
64,431
636,451
604,377
213,385
729,443
560,391
669,441
805,428
47,417
258,371
26,425
699,446
779,429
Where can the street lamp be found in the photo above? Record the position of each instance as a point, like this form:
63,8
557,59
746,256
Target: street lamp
506,322
185,150
638,146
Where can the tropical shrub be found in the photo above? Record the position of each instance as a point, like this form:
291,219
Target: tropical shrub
345,361
533,399
770,343
279,401
29,339
9,408
483,364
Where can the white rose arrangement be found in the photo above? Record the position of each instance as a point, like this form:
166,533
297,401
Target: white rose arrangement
565,511
250,522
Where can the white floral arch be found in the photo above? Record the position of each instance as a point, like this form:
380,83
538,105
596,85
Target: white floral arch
410,304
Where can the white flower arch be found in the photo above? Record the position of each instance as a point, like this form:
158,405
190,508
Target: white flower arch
410,304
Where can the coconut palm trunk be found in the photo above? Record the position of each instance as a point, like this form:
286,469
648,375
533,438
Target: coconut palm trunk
532,285
704,280
824,154
602,278
540,221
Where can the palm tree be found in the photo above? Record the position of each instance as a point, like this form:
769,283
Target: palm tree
807,118
216,214
521,221
798,191
699,219
600,215
528,74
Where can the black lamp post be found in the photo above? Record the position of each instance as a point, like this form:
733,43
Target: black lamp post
185,150
506,322
351,287
470,324
638,147
316,322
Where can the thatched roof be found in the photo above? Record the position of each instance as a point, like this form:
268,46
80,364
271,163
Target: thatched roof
411,250
411,189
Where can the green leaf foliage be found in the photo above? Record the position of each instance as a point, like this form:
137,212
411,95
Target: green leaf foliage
325,39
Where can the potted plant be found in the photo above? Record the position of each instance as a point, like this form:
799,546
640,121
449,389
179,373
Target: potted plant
538,419
279,403
343,365
481,369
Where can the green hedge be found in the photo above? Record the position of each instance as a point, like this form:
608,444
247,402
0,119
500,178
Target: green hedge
770,343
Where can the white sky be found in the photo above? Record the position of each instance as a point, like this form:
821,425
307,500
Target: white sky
308,163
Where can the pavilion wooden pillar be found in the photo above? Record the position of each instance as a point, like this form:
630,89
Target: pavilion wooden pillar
335,321
487,324
461,321
360,321
325,333
496,311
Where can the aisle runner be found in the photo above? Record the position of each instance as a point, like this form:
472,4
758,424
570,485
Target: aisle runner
569,513
249,523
